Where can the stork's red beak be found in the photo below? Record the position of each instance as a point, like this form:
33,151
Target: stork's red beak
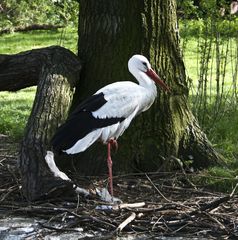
152,74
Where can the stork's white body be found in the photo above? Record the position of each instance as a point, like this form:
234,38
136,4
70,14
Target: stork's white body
124,100
107,114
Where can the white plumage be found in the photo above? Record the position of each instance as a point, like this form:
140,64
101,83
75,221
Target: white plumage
109,112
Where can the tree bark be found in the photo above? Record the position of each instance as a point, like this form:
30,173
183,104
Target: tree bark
55,70
18,71
110,33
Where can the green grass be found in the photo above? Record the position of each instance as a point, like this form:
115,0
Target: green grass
218,179
193,56
223,133
18,42
15,110
15,107
218,121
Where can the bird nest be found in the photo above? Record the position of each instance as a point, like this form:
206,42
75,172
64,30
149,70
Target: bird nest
155,205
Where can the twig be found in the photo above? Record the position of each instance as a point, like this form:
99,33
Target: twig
7,156
120,206
131,205
126,222
233,191
182,227
9,191
183,171
58,229
160,193
215,220
210,206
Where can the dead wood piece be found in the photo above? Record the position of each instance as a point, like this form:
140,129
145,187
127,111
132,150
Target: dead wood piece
213,215
58,229
210,206
126,222
8,192
131,205
7,156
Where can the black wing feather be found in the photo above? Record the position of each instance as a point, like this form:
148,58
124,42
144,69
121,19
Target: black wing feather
91,104
81,122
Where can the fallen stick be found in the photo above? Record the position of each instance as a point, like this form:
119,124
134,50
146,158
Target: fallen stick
120,206
130,205
126,222
58,229
160,193
210,206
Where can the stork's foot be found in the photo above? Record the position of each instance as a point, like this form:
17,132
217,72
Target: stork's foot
81,191
107,197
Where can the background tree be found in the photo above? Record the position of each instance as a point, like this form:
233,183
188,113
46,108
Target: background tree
109,35
110,32
18,15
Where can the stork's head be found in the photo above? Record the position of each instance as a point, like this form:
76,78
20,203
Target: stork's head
139,63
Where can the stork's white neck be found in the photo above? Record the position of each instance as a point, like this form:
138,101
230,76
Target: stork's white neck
145,81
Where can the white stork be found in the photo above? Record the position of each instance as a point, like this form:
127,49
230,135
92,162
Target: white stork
107,114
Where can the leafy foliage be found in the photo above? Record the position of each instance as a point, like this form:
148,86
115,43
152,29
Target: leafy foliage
25,12
201,9
15,107
201,27
209,43
210,51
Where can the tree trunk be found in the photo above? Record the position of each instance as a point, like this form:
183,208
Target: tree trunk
110,33
56,70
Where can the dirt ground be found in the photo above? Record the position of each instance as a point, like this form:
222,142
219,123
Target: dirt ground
158,205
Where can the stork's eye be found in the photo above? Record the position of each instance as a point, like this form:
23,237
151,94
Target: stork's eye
145,64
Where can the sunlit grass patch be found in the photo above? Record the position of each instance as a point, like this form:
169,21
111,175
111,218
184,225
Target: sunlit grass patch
222,131
211,67
15,110
194,56
218,178
18,42
15,107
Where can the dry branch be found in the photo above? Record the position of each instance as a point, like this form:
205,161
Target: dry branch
184,211
126,222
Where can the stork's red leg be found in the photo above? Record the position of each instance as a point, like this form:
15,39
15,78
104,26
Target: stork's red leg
109,164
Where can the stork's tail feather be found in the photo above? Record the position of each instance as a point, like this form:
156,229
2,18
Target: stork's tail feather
54,169
49,158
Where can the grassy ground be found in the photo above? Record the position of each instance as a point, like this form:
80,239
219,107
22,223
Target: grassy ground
15,110
18,42
15,107
219,121
193,56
